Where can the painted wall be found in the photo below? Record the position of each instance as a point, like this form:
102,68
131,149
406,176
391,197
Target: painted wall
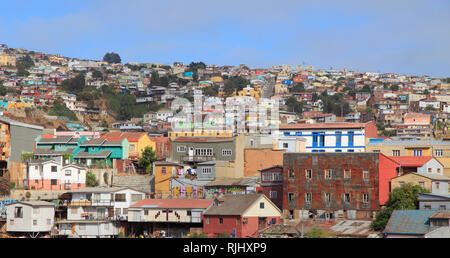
43,215
257,159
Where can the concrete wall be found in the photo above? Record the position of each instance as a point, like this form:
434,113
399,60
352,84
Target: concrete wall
43,215
257,159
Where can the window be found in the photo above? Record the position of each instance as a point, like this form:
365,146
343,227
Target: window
308,197
54,169
49,221
438,153
351,136
207,220
437,185
119,198
34,222
278,176
347,173
227,152
291,197
417,153
11,222
206,170
322,140
163,170
327,197
396,153
53,182
308,173
401,183
220,220
347,198
18,212
252,142
181,149
261,205
365,175
188,213
124,211
96,197
145,212
328,173
136,197
132,147
427,207
291,173
315,138
68,172
204,152
285,145
430,170
245,221
273,194
438,170
351,151
422,184
365,198
36,167
338,139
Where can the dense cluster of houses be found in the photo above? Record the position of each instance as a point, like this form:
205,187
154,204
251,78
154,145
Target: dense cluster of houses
277,178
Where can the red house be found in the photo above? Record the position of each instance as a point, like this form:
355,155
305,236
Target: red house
336,185
241,215
272,184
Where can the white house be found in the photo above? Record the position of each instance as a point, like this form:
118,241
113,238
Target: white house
332,137
53,175
35,217
164,114
97,211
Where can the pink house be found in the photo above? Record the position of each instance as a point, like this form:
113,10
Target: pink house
52,175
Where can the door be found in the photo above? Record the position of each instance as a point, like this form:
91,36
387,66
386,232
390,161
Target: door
191,153
261,223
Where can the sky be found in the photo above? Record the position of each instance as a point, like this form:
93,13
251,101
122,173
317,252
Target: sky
399,36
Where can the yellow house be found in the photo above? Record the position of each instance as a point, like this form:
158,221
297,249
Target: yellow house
249,91
446,163
138,142
164,172
435,148
433,183
7,60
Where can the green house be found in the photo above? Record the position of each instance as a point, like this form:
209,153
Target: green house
101,152
48,148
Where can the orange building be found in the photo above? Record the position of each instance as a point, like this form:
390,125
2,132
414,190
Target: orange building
164,171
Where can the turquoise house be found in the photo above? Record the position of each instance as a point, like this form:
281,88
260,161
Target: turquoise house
102,152
48,148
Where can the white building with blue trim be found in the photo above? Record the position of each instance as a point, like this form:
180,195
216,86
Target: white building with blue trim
331,137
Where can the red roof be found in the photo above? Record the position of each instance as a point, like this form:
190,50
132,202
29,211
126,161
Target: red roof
119,136
202,139
408,161
174,203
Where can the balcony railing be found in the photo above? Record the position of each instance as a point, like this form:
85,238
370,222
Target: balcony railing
198,158
89,203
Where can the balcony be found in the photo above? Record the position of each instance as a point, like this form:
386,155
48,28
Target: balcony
198,158
89,203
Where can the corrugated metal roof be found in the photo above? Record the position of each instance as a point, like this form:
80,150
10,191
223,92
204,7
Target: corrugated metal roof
233,204
173,203
409,222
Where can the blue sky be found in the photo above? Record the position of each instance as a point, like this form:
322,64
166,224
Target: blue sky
401,36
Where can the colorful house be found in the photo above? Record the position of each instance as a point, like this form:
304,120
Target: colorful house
240,216
138,142
102,152
48,147
164,171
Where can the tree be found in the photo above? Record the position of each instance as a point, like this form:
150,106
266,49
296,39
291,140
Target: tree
59,108
3,90
429,108
91,180
193,67
97,74
147,159
112,58
75,84
401,198
394,87
23,64
294,105
235,83
300,87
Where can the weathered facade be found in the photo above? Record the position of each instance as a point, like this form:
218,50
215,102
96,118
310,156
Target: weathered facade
331,185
